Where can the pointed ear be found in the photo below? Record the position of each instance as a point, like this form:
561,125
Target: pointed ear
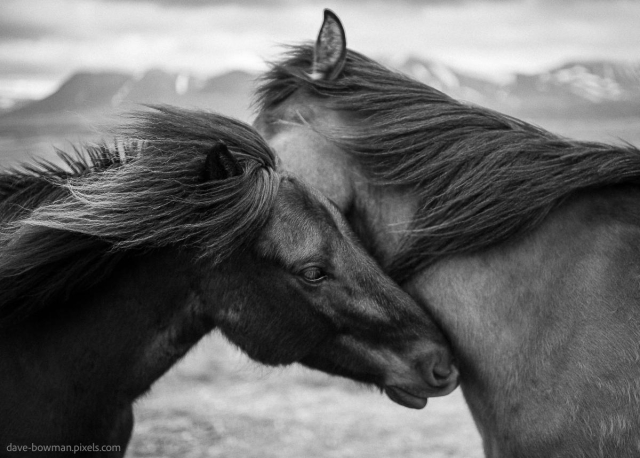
330,52
220,164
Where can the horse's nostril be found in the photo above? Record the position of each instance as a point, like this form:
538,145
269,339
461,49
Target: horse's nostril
443,370
440,373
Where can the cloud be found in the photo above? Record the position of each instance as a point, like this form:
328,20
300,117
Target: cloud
202,3
209,3
58,37
10,29
19,21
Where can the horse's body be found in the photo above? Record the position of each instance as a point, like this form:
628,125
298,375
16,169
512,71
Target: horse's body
524,246
111,272
547,331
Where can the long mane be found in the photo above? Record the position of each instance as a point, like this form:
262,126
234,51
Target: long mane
480,177
63,228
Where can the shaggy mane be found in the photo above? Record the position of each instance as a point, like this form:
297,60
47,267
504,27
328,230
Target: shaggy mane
66,227
480,177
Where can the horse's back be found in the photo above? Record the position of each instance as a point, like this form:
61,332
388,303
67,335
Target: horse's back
547,329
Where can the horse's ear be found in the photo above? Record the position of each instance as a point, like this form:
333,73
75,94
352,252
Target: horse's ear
330,51
220,164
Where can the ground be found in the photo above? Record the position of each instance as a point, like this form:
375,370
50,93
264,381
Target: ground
216,403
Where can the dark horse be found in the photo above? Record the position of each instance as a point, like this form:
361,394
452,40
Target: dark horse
113,268
525,246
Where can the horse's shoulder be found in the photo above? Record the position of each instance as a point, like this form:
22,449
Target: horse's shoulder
589,244
557,307
586,249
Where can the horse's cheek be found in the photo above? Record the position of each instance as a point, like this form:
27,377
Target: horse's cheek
269,329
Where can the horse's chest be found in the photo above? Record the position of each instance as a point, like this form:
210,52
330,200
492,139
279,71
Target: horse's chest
547,338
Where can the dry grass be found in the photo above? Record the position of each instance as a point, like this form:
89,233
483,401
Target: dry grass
218,404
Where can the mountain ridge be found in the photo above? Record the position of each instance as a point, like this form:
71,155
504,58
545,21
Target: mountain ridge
604,88
577,88
89,98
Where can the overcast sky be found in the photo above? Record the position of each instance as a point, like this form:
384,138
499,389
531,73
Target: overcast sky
44,41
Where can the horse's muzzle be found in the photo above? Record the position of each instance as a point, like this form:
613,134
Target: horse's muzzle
434,376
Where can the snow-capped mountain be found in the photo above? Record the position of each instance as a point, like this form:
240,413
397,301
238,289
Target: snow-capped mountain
91,98
448,80
595,81
576,89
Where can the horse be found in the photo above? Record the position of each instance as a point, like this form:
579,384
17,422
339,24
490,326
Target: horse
116,264
523,245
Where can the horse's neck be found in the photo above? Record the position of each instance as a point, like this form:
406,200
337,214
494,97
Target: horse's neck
547,328
380,216
104,348
147,314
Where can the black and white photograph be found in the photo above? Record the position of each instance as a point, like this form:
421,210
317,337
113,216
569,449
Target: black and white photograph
304,229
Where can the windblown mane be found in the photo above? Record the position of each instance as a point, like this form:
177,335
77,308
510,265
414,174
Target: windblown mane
480,177
65,228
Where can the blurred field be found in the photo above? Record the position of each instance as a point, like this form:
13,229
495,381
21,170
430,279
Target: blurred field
216,403
14,150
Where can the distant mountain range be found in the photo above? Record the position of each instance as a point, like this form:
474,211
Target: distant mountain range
87,100
576,89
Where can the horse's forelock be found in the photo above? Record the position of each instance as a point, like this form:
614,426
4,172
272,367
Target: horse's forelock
146,196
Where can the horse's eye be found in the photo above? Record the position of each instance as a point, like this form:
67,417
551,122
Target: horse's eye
313,274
